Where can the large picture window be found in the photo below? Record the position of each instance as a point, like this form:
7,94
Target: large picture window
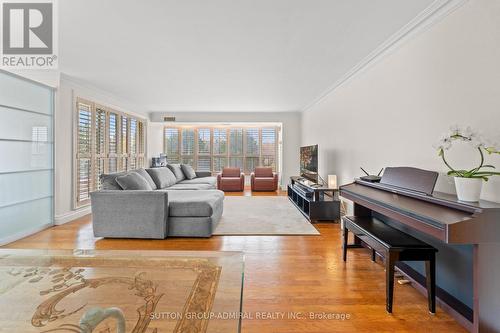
212,148
106,141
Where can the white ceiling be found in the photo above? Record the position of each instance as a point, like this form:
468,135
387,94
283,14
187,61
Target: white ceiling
223,55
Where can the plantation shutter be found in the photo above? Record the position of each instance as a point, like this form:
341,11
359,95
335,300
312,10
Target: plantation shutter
84,153
204,159
252,149
236,147
212,149
100,146
219,149
124,141
171,145
220,141
187,147
141,142
106,141
113,133
269,147
133,144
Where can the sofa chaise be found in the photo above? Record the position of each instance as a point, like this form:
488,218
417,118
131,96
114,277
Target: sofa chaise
157,203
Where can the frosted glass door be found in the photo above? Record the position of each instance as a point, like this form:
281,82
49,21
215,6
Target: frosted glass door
26,157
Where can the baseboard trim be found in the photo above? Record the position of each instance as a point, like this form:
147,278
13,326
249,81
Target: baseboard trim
23,234
71,216
456,309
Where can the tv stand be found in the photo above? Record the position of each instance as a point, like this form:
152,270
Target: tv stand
312,202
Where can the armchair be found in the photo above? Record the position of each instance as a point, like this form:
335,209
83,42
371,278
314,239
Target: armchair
231,179
264,179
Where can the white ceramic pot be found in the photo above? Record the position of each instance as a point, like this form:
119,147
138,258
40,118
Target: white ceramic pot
468,189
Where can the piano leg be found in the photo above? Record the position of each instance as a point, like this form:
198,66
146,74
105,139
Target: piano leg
390,261
430,271
345,237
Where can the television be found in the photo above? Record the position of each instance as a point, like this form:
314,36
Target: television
309,163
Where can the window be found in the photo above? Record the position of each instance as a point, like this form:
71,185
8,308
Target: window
204,160
219,149
141,142
124,144
252,148
187,146
236,148
113,143
106,141
100,147
269,147
171,144
211,149
133,144
84,153
236,140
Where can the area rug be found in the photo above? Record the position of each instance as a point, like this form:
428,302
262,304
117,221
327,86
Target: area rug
263,215
120,291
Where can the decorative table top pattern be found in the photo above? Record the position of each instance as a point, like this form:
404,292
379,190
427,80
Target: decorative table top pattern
119,291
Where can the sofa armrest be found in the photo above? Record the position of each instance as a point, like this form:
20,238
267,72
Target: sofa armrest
242,181
252,180
130,214
201,174
275,178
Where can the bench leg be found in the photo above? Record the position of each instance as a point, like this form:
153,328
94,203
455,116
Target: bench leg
373,255
390,261
357,241
345,237
430,272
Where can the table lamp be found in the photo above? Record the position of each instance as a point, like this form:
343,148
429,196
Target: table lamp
332,181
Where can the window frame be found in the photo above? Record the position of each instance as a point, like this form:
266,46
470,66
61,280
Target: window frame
219,155
259,156
123,158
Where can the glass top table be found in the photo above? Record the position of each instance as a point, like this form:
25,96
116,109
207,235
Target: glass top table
120,291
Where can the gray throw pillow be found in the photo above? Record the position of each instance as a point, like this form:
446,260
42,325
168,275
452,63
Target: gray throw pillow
188,171
133,181
108,181
162,177
176,169
146,176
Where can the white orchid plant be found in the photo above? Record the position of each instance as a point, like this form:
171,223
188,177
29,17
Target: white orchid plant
456,133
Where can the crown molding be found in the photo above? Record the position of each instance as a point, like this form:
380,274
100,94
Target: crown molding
434,13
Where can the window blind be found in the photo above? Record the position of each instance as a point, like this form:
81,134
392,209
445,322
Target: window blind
171,144
84,154
211,149
107,141
269,147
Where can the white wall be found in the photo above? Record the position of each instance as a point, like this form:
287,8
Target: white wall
69,89
392,113
291,131
48,77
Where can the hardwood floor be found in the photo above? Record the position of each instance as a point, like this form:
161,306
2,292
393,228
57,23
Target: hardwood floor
285,275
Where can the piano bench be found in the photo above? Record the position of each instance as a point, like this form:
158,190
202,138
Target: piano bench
393,245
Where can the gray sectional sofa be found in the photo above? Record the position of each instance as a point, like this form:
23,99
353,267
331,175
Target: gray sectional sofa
157,203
